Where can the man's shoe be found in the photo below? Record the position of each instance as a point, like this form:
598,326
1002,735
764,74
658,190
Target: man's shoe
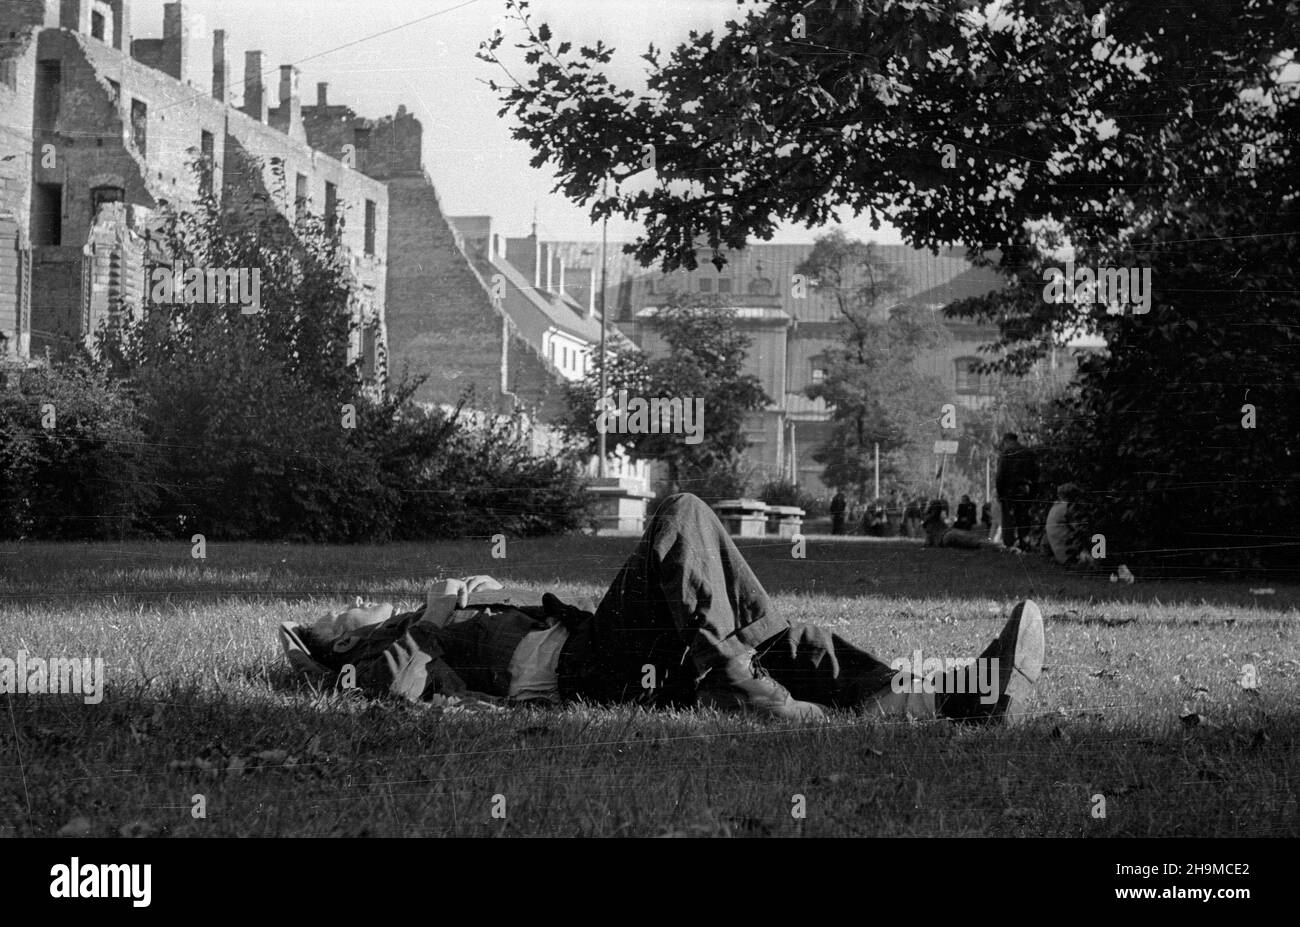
1019,651
743,686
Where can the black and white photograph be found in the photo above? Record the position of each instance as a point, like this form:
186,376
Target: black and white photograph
851,421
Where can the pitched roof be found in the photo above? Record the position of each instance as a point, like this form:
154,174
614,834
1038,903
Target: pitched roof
931,279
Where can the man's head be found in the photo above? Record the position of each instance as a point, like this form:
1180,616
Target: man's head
965,498
1010,439
334,625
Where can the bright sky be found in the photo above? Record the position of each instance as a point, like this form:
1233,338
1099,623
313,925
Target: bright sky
421,53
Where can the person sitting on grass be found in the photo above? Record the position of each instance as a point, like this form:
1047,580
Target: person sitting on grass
912,518
938,533
965,515
684,623
1058,530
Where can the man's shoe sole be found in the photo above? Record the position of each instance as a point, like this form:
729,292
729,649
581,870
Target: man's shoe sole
1024,644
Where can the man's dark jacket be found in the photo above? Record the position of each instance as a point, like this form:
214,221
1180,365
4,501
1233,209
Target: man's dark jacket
1017,473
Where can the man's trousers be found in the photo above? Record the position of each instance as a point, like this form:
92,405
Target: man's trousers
1015,520
686,602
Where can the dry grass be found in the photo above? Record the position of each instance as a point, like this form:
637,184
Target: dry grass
197,691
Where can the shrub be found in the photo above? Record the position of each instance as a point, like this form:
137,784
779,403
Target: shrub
780,492
460,479
716,479
74,462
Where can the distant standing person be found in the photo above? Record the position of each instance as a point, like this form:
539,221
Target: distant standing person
986,519
965,515
1016,484
838,506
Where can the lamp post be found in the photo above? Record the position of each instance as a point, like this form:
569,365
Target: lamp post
604,374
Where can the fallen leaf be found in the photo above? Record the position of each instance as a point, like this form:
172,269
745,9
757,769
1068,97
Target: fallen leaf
77,827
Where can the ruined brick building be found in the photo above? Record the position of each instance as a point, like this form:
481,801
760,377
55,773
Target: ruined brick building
101,127
455,313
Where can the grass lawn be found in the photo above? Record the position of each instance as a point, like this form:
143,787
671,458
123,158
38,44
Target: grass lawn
199,702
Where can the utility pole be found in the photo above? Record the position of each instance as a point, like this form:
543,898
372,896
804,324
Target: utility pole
877,471
604,374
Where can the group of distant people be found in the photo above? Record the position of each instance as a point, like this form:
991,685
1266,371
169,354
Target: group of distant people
904,517
1017,489
875,519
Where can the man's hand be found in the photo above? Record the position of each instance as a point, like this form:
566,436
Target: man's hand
463,588
408,665
455,594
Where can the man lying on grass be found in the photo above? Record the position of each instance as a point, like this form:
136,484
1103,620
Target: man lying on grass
684,623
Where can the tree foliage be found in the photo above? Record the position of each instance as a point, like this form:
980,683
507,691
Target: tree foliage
1125,134
872,386
703,358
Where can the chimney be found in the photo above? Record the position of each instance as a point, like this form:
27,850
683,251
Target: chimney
577,282
254,92
220,67
322,94
550,266
288,115
122,26
361,146
522,253
176,42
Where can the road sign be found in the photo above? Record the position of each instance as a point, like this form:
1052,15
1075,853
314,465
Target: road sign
945,447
